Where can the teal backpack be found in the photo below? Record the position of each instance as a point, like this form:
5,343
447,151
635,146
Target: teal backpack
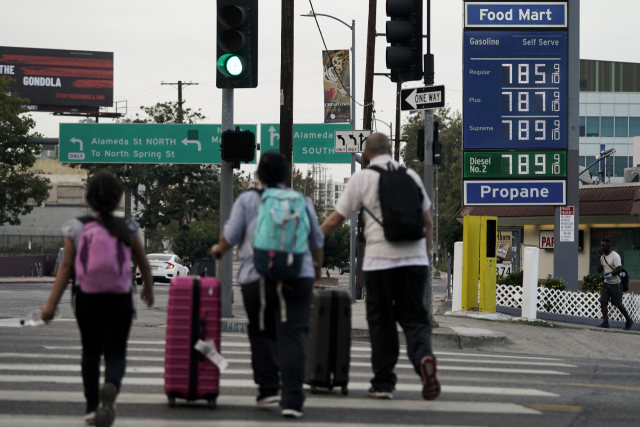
282,233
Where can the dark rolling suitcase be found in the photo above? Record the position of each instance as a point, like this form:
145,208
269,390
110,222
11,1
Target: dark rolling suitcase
206,267
329,346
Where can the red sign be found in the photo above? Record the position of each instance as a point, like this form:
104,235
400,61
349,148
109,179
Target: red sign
566,210
51,77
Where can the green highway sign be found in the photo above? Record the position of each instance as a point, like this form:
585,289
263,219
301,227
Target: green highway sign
312,143
141,143
542,164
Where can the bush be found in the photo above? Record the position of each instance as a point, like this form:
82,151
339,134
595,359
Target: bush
553,283
592,283
513,279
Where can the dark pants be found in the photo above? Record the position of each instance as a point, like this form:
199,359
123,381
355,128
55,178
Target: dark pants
613,292
279,351
396,295
104,321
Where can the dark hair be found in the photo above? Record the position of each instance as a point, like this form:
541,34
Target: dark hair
104,192
273,169
605,240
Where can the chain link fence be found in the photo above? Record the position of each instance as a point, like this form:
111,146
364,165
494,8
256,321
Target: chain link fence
15,244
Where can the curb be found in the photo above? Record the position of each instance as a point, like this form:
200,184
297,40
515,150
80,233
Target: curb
440,337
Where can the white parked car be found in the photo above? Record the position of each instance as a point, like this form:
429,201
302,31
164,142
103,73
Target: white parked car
164,267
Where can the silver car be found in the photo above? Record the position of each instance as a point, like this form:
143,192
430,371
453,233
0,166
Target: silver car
164,267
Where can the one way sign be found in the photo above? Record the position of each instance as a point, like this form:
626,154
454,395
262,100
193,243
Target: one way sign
422,98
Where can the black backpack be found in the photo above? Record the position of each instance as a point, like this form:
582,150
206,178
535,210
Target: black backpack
624,279
401,204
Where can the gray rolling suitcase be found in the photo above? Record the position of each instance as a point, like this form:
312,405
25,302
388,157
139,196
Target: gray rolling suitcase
329,346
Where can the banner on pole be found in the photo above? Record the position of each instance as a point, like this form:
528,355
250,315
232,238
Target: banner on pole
337,86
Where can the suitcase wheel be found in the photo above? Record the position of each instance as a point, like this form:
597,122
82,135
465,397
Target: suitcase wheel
172,401
211,402
314,389
345,391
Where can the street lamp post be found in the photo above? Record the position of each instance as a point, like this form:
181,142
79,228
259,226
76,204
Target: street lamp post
352,240
390,124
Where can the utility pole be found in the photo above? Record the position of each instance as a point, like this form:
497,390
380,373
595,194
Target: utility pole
396,154
366,124
225,265
286,83
180,101
427,115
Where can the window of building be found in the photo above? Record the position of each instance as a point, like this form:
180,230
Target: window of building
583,161
593,126
620,162
606,126
622,126
625,241
634,126
609,166
589,160
583,126
631,162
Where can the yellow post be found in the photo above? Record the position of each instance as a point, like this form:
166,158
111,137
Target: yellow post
488,260
471,254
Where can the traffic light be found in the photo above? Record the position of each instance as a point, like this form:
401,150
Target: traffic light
237,52
437,147
238,146
420,145
404,33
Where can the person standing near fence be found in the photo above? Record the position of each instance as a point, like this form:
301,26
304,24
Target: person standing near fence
610,265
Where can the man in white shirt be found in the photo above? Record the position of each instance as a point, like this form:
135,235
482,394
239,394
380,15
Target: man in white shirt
610,265
395,275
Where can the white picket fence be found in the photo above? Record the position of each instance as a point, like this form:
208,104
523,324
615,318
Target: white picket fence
583,304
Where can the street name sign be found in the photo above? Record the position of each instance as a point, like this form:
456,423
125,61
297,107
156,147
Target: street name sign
141,143
312,143
422,98
350,141
515,164
514,193
515,102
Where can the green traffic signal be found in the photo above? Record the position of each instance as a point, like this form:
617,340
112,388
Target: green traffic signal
230,65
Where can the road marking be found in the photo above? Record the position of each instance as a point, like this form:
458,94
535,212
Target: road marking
497,356
556,408
505,362
75,357
241,383
610,387
76,368
474,369
48,421
311,402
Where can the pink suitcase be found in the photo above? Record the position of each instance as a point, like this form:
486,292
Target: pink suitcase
193,314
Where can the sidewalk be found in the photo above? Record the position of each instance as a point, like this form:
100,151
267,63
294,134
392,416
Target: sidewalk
32,280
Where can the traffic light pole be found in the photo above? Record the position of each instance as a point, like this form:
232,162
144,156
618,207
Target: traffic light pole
352,225
225,265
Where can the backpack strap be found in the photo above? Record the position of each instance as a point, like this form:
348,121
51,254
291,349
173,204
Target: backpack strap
604,257
364,208
74,284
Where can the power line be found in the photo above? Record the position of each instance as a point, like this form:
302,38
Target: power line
180,101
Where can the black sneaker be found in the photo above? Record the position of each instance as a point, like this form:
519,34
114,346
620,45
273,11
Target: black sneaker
268,399
628,325
106,413
379,394
604,325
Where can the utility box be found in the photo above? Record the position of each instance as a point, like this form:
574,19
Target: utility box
480,246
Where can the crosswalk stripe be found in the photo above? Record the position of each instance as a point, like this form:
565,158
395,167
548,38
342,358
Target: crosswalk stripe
74,357
40,421
497,356
160,370
240,383
311,402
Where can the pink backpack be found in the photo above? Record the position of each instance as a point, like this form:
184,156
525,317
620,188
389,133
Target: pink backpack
103,262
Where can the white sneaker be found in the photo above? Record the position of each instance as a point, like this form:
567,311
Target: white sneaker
268,400
291,413
90,419
379,394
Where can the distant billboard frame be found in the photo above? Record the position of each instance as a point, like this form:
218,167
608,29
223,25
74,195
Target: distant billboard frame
59,80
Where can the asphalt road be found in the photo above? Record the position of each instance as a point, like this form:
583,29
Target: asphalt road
40,383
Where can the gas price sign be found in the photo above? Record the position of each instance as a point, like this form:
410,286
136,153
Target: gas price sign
515,90
515,103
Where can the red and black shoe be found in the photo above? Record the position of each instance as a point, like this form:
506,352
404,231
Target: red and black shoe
430,383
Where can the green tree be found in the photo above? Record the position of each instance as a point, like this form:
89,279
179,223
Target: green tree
449,192
195,239
18,186
306,185
167,192
336,249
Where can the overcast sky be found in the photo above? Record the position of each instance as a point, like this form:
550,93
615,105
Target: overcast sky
161,40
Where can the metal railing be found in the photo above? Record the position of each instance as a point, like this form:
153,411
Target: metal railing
15,243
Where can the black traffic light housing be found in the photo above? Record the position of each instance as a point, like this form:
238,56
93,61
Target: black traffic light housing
404,33
238,146
420,145
437,147
237,44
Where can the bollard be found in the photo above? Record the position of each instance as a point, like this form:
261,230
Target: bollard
530,283
456,299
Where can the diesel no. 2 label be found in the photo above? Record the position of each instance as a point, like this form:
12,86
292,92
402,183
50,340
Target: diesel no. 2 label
515,164
515,90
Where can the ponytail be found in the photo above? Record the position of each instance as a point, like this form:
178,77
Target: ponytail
104,192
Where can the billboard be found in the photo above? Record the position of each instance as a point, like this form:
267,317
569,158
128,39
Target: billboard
63,78
337,86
